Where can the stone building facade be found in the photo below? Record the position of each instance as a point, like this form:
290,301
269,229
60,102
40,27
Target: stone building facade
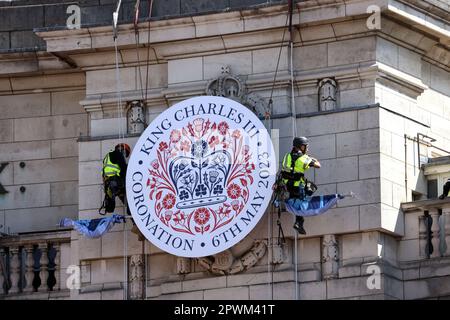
371,91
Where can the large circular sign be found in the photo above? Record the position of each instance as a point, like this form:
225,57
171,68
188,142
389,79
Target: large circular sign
200,177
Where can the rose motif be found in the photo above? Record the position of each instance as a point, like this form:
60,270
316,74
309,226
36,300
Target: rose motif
234,191
175,136
199,148
168,201
223,128
236,134
201,216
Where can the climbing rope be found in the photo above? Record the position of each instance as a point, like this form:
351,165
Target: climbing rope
150,7
121,137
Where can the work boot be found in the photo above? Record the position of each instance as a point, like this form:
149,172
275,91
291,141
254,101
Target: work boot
298,225
442,196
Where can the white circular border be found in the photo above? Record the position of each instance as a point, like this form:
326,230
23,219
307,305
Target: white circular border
140,162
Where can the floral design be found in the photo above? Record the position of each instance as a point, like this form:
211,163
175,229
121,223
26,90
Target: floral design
213,141
168,215
175,136
200,162
168,201
234,191
185,146
163,146
199,148
198,124
201,216
223,128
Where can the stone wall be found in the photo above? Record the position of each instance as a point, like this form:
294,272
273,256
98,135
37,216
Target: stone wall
391,82
40,121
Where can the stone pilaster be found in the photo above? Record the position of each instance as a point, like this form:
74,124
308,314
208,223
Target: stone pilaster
330,257
136,277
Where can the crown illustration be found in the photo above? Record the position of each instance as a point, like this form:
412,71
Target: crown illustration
200,177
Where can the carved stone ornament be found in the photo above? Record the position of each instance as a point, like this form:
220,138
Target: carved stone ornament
330,256
225,263
137,276
232,87
183,265
278,253
136,117
327,94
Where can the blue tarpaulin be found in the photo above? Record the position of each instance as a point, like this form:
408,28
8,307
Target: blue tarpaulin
94,228
312,206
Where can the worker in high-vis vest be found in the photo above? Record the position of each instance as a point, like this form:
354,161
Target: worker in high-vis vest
114,172
446,190
294,166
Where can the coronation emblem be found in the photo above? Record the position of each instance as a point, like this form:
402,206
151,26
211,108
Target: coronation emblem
200,176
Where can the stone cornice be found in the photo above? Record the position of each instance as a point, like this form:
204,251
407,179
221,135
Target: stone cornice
370,71
425,205
31,63
37,237
241,21
399,80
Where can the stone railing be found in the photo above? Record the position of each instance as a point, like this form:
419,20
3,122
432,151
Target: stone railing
30,263
431,220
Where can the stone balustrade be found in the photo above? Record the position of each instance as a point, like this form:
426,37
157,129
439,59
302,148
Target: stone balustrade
30,263
428,223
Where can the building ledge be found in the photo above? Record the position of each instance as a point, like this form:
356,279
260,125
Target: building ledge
425,204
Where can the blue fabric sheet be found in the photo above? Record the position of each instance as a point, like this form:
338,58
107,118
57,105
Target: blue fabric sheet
94,228
312,206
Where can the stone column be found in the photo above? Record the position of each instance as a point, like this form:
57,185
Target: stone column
15,270
442,233
43,274
136,277
29,272
435,233
57,261
330,257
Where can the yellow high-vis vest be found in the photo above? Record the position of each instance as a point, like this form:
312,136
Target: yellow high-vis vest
300,166
110,169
